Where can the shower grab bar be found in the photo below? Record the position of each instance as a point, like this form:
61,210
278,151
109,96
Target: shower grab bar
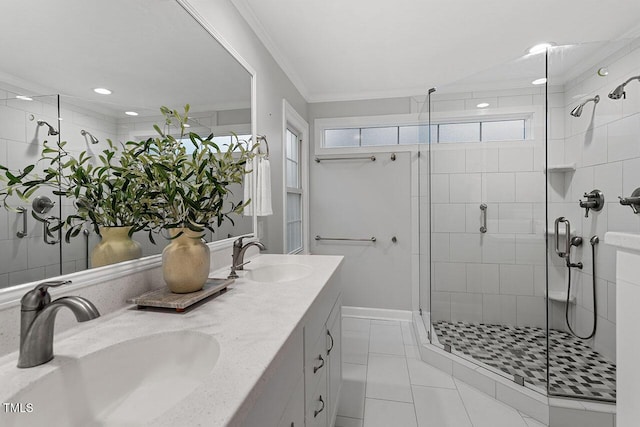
320,159
371,239
23,233
567,239
483,218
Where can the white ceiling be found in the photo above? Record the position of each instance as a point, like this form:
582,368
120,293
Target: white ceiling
359,49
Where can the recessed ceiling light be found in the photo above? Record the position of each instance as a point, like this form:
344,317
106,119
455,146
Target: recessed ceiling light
24,98
483,105
102,91
131,113
539,81
540,48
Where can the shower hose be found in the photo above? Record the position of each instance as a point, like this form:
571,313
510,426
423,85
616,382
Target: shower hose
594,241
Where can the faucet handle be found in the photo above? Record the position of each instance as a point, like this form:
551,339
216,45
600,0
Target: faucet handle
38,297
238,242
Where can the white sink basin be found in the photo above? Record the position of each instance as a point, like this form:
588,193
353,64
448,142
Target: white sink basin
278,273
127,384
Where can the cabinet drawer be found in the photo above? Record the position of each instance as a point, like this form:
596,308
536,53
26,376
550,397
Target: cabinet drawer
318,407
315,367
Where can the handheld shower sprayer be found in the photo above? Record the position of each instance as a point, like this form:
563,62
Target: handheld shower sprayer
92,138
52,130
576,112
619,91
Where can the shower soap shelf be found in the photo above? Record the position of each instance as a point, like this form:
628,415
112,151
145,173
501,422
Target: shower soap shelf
568,167
164,298
560,296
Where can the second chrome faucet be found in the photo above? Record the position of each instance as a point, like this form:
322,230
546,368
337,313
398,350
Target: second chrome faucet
237,259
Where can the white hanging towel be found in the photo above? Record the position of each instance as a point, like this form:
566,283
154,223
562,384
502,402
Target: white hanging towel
262,177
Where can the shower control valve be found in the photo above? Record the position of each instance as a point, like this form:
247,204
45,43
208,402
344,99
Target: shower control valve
595,202
633,201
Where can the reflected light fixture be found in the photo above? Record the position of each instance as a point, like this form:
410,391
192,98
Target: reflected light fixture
102,91
541,81
131,113
24,98
540,48
483,105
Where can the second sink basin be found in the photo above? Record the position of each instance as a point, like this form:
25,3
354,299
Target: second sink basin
128,384
278,272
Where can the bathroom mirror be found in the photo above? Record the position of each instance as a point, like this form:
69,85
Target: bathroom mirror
148,53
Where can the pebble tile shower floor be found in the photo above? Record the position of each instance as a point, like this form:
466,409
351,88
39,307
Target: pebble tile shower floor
576,370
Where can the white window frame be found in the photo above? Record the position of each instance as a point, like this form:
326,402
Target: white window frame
294,121
533,116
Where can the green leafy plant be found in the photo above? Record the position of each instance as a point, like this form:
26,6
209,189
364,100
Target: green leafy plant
104,189
188,189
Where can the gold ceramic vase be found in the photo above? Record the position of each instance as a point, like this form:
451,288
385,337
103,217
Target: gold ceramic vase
185,262
115,246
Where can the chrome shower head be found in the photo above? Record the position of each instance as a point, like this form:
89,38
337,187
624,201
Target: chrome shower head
52,130
92,138
576,112
619,91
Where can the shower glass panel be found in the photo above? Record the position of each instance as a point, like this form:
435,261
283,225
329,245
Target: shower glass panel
591,146
482,208
26,122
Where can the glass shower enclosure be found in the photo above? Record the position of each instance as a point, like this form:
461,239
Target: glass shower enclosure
503,233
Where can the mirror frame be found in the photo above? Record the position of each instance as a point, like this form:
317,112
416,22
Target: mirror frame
11,296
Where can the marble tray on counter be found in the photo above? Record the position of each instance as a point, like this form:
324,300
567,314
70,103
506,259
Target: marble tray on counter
164,298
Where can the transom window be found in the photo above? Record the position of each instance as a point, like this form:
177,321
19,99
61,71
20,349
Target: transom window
441,133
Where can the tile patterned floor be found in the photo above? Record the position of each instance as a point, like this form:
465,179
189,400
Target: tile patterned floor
576,370
385,384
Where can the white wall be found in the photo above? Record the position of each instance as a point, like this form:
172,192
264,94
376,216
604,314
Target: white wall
272,86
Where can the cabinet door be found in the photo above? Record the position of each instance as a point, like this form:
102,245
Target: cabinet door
334,355
294,413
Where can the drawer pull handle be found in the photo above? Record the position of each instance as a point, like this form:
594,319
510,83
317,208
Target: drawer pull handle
317,368
331,337
317,411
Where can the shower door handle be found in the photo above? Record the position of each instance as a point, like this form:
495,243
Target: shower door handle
48,233
567,243
483,218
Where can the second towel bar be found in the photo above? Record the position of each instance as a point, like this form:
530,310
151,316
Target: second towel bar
324,159
371,239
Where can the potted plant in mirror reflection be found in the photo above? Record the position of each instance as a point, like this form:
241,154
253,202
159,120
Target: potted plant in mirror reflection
186,180
103,191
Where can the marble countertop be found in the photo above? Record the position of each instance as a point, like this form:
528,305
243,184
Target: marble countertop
630,241
251,322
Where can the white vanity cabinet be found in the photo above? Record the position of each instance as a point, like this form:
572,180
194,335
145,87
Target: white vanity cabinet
323,361
304,385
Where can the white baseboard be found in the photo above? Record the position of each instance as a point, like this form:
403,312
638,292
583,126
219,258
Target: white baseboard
377,313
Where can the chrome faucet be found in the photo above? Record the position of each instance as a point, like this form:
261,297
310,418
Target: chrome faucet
237,259
37,316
